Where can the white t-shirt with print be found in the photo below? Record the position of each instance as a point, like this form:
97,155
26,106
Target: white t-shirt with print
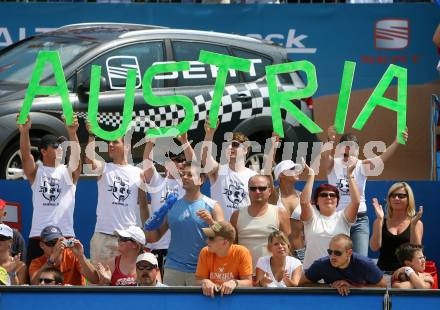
338,177
118,191
53,199
231,189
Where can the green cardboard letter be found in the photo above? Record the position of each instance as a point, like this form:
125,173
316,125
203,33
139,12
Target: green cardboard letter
35,88
344,96
377,99
93,105
185,102
224,63
280,100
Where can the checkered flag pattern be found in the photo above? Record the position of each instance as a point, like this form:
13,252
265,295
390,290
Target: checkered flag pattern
231,109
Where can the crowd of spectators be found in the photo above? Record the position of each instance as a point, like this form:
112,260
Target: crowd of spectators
247,233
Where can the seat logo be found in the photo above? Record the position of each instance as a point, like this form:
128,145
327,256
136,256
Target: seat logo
391,34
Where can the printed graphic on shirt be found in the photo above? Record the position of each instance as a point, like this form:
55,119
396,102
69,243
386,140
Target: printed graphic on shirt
129,281
343,187
50,190
220,275
235,193
120,189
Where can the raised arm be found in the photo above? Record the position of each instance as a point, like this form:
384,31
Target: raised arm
155,235
208,162
188,150
148,161
269,156
88,270
388,153
352,209
74,165
97,166
306,194
327,156
376,236
28,161
417,228
143,205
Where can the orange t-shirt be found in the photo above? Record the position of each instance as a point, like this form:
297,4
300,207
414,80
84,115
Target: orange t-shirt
70,267
237,264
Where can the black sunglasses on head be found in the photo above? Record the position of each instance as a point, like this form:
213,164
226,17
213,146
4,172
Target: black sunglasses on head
336,252
4,238
259,188
46,280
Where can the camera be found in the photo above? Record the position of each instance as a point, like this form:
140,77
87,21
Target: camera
69,243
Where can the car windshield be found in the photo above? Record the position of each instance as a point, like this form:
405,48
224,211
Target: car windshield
17,64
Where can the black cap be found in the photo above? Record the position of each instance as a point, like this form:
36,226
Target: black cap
50,233
51,140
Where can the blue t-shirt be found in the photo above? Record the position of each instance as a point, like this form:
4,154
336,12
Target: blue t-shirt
361,270
187,237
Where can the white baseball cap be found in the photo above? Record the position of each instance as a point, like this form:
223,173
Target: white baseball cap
133,232
6,231
148,257
283,166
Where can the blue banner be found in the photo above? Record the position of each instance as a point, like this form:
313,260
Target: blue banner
373,36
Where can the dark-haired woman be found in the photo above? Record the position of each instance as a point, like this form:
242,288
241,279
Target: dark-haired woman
322,221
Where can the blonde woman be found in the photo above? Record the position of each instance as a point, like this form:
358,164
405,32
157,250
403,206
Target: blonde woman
401,225
279,269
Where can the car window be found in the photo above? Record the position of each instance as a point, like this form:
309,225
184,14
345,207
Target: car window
18,63
259,62
115,64
199,74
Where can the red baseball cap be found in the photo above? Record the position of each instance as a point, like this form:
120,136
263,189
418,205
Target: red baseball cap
2,204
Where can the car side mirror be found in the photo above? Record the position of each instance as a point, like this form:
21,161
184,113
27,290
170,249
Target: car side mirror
83,86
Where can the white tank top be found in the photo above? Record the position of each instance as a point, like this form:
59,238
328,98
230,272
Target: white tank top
253,232
117,198
231,189
158,188
338,177
53,199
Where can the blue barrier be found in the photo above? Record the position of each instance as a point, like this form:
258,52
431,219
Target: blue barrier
86,199
67,298
410,299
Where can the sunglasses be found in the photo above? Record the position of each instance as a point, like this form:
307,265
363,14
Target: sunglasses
51,243
335,252
125,239
259,188
46,280
235,144
4,238
327,194
145,267
398,195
